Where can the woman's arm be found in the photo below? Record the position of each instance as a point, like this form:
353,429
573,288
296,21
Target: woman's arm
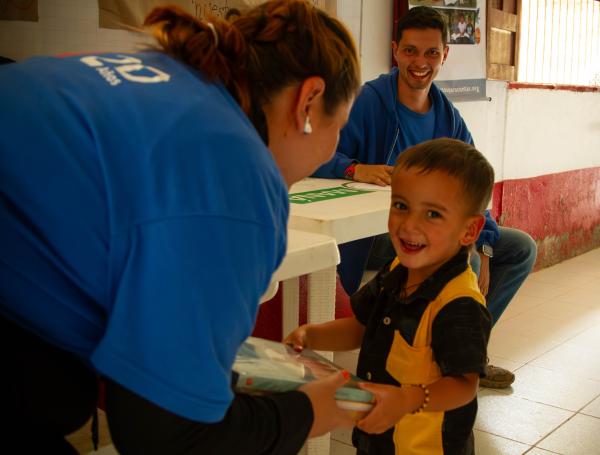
278,423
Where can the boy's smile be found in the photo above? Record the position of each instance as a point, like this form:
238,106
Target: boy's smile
429,220
410,247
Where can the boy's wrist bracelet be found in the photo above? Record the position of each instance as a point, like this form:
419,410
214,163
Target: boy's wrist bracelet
425,402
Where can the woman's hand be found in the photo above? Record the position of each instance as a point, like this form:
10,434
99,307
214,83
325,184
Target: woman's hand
391,404
379,174
327,414
298,339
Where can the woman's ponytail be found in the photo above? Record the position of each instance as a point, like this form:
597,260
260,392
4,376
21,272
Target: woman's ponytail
216,48
263,50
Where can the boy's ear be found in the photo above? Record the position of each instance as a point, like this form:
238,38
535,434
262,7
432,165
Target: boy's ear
472,230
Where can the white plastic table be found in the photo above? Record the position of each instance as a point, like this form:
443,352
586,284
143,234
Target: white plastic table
354,216
343,211
315,255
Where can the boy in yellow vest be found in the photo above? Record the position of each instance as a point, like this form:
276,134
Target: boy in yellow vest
421,322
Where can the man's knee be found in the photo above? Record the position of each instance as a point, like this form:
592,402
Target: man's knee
528,247
520,244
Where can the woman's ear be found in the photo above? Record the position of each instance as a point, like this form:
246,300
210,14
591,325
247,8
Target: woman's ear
309,91
473,228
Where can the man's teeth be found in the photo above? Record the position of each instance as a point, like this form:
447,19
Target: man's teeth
419,73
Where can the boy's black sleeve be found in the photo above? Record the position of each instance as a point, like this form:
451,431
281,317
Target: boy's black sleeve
274,424
460,334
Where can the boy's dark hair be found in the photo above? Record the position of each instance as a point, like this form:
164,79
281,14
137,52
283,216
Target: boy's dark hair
458,159
422,17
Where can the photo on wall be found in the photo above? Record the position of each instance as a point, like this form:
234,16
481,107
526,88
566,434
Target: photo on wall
462,17
445,3
463,26
461,3
463,76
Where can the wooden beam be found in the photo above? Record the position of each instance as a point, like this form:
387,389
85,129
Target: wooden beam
500,72
509,6
502,48
502,39
502,20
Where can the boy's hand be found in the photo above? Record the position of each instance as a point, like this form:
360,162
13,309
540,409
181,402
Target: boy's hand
298,339
379,174
390,406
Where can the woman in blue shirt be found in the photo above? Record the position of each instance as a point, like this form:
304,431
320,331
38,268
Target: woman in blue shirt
143,209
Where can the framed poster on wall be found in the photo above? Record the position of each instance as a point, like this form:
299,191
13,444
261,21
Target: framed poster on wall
463,76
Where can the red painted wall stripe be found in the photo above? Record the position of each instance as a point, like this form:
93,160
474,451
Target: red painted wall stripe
570,88
560,211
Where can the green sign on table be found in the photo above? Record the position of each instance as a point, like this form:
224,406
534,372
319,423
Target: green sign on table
308,197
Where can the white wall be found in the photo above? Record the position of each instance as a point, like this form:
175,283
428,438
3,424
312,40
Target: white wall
486,121
370,21
376,43
350,13
550,131
528,132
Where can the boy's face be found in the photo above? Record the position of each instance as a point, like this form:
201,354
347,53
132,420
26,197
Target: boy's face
429,220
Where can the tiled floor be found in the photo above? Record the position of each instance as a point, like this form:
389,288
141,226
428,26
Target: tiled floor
550,337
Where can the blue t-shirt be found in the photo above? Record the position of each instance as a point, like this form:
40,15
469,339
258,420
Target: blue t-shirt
141,218
413,128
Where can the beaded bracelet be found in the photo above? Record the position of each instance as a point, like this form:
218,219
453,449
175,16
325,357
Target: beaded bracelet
425,402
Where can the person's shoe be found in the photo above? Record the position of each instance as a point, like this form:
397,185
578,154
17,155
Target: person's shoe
496,378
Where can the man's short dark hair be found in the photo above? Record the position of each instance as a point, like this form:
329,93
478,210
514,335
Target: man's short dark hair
457,159
422,17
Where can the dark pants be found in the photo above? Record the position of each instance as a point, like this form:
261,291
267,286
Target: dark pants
47,393
383,444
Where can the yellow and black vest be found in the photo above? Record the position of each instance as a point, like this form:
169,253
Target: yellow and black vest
421,434
444,321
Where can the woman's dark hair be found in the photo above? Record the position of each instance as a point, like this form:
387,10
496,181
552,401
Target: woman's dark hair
5,60
422,17
458,159
265,49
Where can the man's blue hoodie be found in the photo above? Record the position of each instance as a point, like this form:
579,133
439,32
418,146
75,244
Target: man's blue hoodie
374,135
